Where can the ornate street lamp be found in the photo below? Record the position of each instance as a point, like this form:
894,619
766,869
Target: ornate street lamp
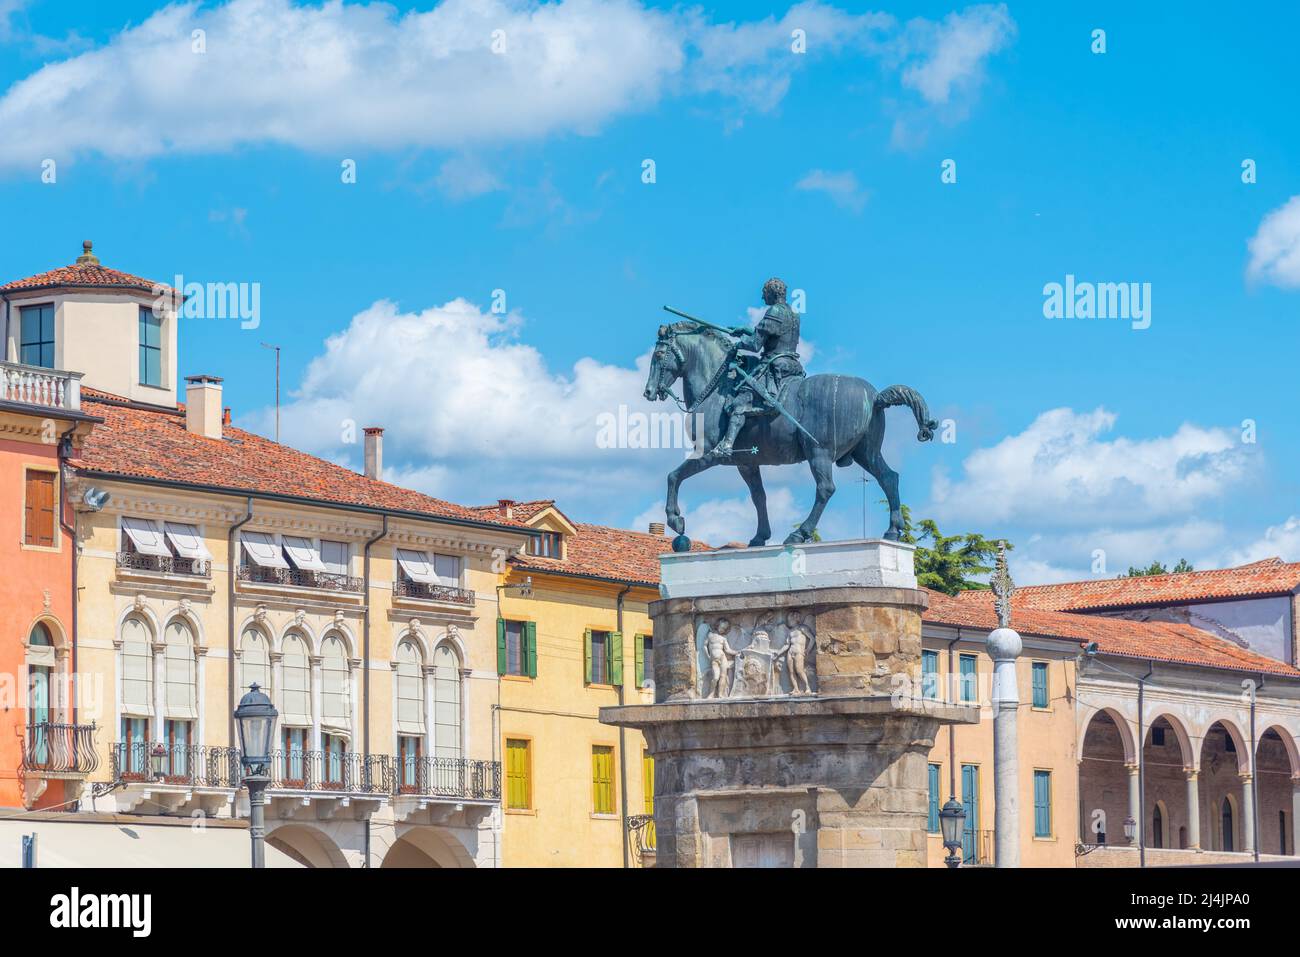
255,717
1130,829
156,756
952,816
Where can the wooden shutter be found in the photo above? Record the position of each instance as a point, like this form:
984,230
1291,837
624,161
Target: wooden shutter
530,645
602,779
639,642
39,498
1042,804
502,663
614,655
1040,684
932,821
586,656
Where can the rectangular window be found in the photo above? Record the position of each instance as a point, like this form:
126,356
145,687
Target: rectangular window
133,749
517,648
447,568
516,651
645,659
293,768
1041,697
38,518
602,779
969,687
177,736
932,817
519,774
1042,804
150,347
930,674
333,748
36,336
334,556
546,545
597,657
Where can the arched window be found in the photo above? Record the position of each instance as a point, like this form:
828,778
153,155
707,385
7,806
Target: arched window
1157,828
254,661
446,702
180,703
410,715
137,698
1226,825
40,675
296,699
336,711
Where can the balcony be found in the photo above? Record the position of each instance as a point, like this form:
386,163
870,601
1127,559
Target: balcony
641,830
178,779
139,563
298,578
430,591
320,785
59,750
37,386
433,790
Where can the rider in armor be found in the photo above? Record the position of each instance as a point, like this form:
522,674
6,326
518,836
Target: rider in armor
776,340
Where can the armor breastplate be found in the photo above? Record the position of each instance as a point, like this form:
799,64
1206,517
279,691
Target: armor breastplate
782,324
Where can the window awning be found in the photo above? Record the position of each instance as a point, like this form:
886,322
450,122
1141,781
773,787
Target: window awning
262,549
416,565
304,553
186,540
145,537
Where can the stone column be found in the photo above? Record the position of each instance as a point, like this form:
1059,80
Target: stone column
1004,646
159,692
1248,813
1193,811
315,661
1295,817
1134,800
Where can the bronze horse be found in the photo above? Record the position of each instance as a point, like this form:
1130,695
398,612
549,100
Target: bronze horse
841,413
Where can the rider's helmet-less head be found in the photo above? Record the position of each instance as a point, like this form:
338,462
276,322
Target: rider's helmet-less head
773,291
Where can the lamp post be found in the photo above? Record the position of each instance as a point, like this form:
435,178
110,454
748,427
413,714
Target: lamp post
255,718
156,756
952,816
1130,829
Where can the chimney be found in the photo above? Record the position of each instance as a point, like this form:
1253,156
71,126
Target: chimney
657,528
506,507
203,405
374,452
225,416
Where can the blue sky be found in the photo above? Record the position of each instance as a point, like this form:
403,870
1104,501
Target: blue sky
521,171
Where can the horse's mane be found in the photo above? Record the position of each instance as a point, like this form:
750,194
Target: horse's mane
687,328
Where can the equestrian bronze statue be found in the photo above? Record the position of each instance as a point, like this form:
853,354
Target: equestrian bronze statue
750,404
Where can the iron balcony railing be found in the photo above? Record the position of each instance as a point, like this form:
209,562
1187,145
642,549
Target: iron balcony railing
195,765
641,828
60,748
346,771
299,578
406,588
165,564
36,385
449,777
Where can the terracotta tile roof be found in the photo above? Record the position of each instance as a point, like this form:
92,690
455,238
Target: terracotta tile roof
1271,576
85,273
599,551
521,511
1148,640
154,444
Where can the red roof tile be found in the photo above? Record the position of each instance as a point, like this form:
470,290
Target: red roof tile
85,273
1271,576
521,511
1148,640
154,444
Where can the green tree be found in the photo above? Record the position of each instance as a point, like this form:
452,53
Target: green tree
1157,568
948,562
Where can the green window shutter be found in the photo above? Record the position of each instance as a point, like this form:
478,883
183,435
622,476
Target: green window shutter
586,656
501,646
530,641
639,641
615,653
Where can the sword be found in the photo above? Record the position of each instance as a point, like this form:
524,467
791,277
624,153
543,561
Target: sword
771,400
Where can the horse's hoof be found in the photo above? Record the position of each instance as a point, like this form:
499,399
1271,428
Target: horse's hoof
794,538
681,544
891,536
756,542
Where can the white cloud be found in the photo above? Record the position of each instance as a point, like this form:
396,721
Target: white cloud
463,177
1278,541
951,54
722,520
349,76
1062,471
843,188
1275,247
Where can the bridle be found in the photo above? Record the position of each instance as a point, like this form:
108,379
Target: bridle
669,341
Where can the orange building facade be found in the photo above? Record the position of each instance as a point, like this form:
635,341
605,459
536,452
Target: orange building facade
42,755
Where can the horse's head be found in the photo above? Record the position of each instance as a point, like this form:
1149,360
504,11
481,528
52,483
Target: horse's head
666,366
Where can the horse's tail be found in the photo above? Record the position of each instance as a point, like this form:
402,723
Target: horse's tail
903,395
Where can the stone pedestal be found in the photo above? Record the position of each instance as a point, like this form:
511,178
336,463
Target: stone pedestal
754,767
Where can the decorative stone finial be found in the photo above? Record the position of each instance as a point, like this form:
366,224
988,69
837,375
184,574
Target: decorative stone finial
86,255
1003,588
